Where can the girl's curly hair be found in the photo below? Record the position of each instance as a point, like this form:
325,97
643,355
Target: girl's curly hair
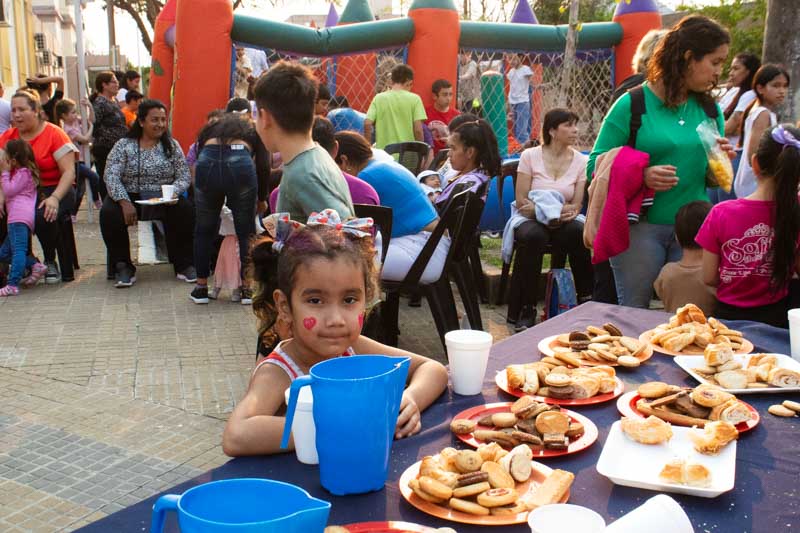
695,34
270,270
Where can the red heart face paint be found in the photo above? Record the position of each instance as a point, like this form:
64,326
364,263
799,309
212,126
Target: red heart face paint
309,323
361,320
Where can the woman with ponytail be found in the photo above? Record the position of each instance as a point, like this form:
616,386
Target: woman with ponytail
750,245
475,156
740,93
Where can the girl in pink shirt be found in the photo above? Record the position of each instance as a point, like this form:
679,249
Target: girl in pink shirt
750,245
18,181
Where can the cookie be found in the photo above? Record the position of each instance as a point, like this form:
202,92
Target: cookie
575,430
552,422
468,461
415,486
504,420
528,425
524,403
498,477
595,331
471,490
497,497
569,359
471,478
780,410
653,389
628,361
435,488
527,438
612,329
468,507
558,380
561,393
794,406
506,510
462,426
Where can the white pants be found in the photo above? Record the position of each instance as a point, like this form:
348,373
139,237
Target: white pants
403,251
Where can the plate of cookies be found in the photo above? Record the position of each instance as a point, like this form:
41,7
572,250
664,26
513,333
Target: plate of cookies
688,332
393,526
595,346
488,486
688,407
561,385
548,430
743,374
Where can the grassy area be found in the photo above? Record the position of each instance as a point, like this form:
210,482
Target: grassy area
490,253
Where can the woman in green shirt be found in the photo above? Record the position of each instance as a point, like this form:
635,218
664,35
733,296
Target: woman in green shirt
684,69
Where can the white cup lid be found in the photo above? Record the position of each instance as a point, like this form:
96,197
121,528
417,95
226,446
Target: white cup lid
560,517
467,338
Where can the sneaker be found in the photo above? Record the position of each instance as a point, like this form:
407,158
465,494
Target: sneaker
124,276
236,295
247,296
38,271
9,290
199,295
188,274
214,294
52,275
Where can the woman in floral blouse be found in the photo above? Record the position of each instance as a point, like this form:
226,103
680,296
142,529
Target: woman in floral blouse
137,167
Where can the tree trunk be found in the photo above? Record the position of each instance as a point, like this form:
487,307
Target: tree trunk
782,45
569,55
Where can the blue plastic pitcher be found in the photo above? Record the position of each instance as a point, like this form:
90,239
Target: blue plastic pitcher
356,403
243,506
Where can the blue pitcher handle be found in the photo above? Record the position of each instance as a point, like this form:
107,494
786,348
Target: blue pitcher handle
294,392
168,502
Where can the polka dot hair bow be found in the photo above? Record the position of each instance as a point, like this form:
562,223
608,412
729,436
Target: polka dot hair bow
280,227
358,227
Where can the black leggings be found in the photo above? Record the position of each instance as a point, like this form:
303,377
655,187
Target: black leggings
772,314
49,233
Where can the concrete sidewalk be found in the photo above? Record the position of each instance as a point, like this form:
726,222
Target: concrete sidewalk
108,396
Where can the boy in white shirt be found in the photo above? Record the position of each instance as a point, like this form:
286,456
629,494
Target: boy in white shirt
519,79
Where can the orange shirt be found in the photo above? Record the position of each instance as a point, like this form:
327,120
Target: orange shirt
130,116
48,147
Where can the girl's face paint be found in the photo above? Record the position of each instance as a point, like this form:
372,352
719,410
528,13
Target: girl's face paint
309,322
361,320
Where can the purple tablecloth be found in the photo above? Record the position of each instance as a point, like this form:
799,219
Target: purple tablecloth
765,498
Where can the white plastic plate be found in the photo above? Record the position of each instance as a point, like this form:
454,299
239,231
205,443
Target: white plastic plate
690,362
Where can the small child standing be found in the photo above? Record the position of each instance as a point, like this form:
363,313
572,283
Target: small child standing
681,282
228,271
18,182
750,245
67,115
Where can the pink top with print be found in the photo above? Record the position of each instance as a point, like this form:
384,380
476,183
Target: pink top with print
741,232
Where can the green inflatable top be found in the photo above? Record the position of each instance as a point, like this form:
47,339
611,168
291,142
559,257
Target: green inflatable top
433,4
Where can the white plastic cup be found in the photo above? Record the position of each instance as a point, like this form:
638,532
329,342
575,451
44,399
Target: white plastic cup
659,514
794,332
561,517
467,355
303,429
168,192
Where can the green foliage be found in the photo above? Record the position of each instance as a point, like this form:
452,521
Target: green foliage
744,19
552,12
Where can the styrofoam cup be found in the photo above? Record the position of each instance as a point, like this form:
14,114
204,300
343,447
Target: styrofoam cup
167,192
659,514
561,517
467,355
794,332
303,429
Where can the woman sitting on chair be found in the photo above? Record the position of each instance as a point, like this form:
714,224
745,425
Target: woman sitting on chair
555,174
413,215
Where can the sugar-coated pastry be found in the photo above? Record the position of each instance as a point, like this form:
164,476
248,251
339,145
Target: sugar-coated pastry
468,507
650,430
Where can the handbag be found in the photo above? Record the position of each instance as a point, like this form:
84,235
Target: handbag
147,212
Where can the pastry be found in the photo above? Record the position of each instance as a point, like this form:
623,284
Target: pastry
468,461
468,507
628,361
780,410
515,375
462,426
585,387
653,389
498,477
715,436
717,354
607,385
563,340
732,379
730,365
783,377
690,313
531,385
552,490
794,406
471,490
650,430
595,331
705,370
491,451
435,488
497,497
681,472
678,342
732,411
709,396
552,422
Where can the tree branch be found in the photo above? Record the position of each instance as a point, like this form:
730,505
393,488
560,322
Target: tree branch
132,10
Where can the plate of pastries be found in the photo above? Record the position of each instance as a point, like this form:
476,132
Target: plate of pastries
683,406
743,374
594,346
487,486
688,332
391,526
561,385
548,430
651,453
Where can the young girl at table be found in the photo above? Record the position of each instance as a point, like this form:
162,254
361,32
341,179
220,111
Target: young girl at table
750,245
19,177
313,285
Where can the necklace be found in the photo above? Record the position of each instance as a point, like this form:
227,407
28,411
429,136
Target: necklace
681,111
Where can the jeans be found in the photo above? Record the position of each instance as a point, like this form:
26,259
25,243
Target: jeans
636,269
15,251
48,233
531,238
223,175
522,121
178,221
83,174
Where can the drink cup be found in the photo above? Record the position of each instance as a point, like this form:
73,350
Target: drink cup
794,332
303,428
167,192
659,514
467,355
560,517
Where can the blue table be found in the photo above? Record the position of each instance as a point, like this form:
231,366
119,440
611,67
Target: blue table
765,498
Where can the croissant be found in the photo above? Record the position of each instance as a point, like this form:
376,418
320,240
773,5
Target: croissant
678,342
783,377
690,313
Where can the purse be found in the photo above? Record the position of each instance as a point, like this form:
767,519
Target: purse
147,212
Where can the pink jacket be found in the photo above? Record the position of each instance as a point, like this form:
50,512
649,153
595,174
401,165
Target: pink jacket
20,193
623,202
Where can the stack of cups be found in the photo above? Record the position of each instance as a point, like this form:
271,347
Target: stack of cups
794,332
467,355
659,514
303,429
